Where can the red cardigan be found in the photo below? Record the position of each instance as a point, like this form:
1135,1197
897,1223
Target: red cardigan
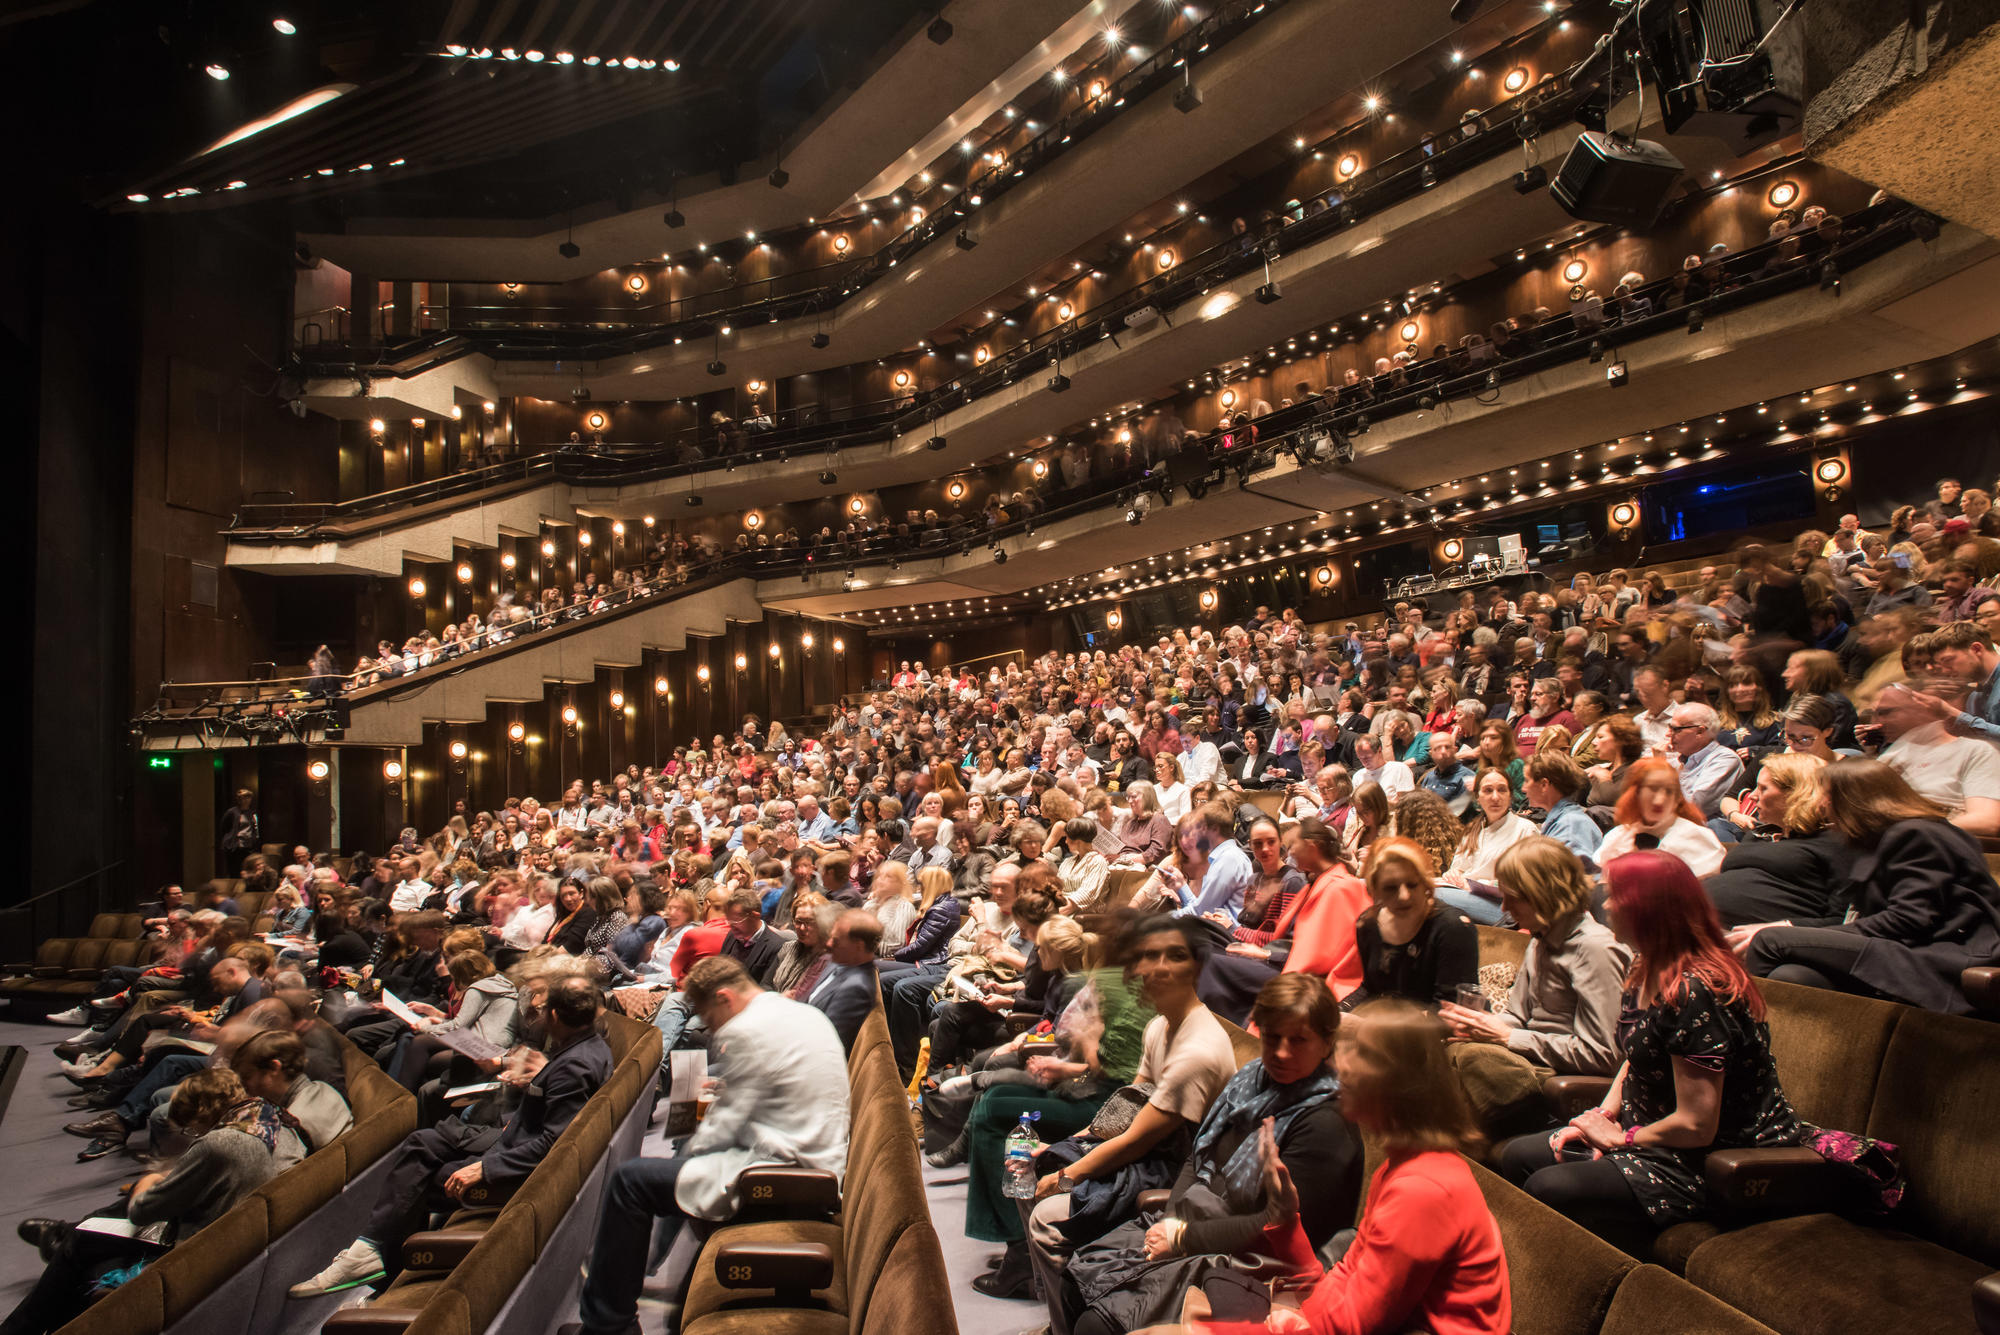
1322,923
1428,1255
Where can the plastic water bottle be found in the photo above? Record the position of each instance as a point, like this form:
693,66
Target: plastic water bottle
1017,1174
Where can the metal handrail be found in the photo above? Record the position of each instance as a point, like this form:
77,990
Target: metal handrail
49,913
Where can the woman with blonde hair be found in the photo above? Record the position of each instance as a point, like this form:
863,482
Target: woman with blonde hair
1367,820
1170,785
1427,1252
1411,946
892,898
1561,1015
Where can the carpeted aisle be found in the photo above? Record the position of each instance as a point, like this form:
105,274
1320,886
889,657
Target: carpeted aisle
42,1175
965,1258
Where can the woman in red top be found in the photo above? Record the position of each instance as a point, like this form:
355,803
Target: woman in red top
1427,1253
1314,934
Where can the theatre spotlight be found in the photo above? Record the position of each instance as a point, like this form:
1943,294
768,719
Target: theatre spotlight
674,218
718,368
828,477
939,31
569,250
779,178
965,240
819,340
1616,376
1530,179
1694,320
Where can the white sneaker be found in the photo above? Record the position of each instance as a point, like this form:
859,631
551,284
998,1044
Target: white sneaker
84,1035
359,1263
74,1015
83,1065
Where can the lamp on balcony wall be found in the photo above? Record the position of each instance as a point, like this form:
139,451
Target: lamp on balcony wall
635,284
1624,514
981,356
1167,258
1453,549
701,675
1410,330
596,420
416,588
805,642
1325,578
1830,471
318,771
1114,620
955,490
840,245
902,379
1574,271
1348,164
618,699
548,547
516,734
1065,311
508,560
1040,468
753,521
742,663
1208,600
465,572
839,646
1228,399
660,683
392,772
1783,195
583,537
1517,79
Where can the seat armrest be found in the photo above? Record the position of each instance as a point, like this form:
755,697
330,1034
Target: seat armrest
1572,1094
1154,1200
1981,985
489,1195
1789,1179
1986,1305
1020,1022
371,1320
791,1270
787,1192
439,1249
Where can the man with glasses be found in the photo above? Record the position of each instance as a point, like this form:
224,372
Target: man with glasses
1709,770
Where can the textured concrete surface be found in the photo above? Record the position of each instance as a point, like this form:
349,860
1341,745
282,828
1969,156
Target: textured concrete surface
1905,97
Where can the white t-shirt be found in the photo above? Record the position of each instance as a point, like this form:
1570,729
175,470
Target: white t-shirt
1187,1075
1945,768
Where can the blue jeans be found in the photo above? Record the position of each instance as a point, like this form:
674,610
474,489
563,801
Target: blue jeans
637,1193
674,1021
1476,907
165,1073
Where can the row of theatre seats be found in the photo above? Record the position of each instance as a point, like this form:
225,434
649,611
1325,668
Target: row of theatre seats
66,969
802,1257
1777,1256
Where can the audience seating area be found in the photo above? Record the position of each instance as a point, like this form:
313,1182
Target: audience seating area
232,1277
868,1261
469,1275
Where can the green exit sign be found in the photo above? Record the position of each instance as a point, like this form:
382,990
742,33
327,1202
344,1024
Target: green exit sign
159,762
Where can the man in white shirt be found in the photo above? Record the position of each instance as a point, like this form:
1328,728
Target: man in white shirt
1375,765
776,1059
410,892
1655,716
1709,770
1960,774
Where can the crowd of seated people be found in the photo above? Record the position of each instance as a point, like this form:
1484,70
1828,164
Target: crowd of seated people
1066,879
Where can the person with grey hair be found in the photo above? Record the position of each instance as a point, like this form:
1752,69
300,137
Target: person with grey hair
1710,771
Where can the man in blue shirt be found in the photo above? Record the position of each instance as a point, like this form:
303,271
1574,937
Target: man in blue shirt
1229,869
1964,649
1446,777
1552,782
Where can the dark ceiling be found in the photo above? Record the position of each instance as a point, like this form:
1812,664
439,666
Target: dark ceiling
471,135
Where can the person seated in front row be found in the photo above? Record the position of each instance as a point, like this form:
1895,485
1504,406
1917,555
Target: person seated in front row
1090,1183
1697,1074
1925,907
1561,1015
235,1151
776,1060
1211,1232
1426,1254
432,1169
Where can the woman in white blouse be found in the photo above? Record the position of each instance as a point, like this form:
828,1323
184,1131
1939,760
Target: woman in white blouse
1169,788
1653,804
892,898
1496,830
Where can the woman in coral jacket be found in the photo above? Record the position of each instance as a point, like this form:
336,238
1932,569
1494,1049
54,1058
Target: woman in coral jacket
1315,935
1426,1254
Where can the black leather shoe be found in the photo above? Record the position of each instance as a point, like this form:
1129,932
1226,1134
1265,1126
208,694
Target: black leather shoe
1013,1278
41,1234
104,1124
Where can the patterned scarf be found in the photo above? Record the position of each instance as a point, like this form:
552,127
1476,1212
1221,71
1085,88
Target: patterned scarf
261,1120
1249,1097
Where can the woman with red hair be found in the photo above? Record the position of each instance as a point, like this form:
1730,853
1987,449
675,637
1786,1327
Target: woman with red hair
1653,813
1697,1075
